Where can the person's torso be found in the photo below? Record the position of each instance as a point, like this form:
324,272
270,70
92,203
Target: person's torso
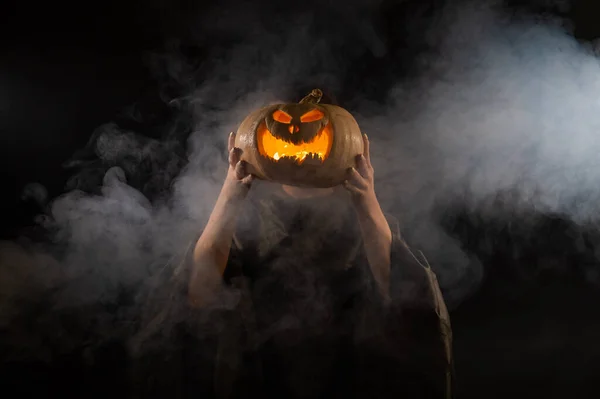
299,257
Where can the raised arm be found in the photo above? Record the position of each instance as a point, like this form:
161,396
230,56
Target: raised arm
377,236
211,251
404,281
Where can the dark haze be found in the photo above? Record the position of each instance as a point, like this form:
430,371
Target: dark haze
495,112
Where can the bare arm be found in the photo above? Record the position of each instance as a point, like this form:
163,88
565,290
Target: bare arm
377,239
377,236
418,286
212,249
382,247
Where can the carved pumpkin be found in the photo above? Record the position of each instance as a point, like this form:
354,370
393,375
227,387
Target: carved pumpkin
303,144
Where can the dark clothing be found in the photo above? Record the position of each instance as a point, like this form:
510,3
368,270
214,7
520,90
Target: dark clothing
307,319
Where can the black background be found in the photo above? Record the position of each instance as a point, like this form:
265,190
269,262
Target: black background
66,69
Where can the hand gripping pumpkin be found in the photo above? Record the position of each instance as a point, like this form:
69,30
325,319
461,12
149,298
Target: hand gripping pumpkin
305,144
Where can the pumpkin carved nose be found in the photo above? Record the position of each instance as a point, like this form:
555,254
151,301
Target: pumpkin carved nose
293,129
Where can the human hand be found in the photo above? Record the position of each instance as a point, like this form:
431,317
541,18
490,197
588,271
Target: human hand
238,181
360,180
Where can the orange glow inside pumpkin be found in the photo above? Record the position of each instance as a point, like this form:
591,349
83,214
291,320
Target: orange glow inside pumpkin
275,148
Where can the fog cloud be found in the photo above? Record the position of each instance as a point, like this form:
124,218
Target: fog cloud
501,104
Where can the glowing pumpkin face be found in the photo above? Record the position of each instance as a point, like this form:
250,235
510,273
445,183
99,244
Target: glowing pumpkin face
296,131
304,144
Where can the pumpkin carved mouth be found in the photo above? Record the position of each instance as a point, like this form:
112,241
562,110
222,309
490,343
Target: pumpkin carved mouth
277,149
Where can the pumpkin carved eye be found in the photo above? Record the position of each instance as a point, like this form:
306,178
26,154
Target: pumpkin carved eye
281,117
312,116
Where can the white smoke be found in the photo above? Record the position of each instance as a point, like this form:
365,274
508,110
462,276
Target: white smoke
504,104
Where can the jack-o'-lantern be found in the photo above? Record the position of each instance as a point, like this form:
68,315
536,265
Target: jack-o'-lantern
301,144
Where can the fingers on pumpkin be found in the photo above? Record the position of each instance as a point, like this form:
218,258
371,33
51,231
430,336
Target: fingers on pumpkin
367,149
247,181
241,170
351,188
231,141
362,165
234,156
355,179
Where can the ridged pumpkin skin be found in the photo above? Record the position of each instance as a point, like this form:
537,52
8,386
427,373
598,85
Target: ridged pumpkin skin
333,127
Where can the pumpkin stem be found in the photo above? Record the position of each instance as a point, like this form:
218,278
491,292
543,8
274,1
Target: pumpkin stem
313,97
